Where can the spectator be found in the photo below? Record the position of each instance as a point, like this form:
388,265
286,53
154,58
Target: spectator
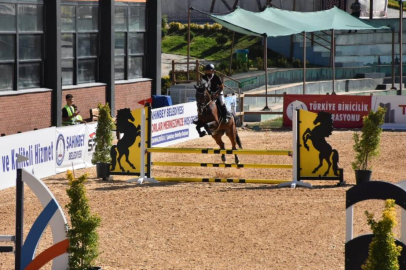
68,112
356,9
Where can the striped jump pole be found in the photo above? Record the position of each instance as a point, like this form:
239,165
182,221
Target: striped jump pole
223,165
221,180
219,151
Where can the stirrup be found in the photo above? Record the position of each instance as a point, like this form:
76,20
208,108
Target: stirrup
225,120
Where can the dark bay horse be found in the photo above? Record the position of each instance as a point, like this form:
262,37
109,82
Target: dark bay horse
131,132
209,118
318,137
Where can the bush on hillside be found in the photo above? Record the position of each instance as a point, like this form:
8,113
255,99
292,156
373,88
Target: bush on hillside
176,26
221,39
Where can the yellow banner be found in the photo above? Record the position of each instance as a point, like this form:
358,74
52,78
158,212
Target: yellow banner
317,158
126,154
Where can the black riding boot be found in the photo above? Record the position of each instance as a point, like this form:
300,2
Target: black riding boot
224,113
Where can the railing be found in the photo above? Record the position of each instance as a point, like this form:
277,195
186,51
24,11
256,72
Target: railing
240,96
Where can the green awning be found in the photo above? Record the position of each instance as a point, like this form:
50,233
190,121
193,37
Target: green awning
273,22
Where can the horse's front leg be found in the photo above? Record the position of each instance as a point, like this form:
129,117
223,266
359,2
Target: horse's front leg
201,133
306,136
207,128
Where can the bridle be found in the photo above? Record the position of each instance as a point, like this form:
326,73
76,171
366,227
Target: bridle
201,106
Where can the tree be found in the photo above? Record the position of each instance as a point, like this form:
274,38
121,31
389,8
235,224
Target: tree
383,252
83,238
104,135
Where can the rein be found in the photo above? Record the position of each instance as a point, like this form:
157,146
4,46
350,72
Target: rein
202,106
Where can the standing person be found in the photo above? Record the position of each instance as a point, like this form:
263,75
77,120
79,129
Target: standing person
68,112
356,9
215,85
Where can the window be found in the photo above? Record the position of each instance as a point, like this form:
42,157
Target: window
79,43
130,29
21,45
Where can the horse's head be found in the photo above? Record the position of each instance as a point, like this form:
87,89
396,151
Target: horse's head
202,93
123,115
325,120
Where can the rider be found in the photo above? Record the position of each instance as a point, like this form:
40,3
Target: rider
215,85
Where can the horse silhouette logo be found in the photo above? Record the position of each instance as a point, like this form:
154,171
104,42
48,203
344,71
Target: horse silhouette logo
131,132
318,135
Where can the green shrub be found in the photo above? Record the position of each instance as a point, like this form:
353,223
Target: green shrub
195,26
383,252
166,83
175,26
104,135
366,147
164,32
221,39
216,26
206,26
83,238
164,21
283,63
260,63
296,63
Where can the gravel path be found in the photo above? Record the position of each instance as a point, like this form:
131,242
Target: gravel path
221,225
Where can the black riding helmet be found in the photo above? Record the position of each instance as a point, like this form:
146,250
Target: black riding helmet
209,67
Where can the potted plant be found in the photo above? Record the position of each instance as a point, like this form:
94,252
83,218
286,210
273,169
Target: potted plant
383,251
366,146
104,140
83,237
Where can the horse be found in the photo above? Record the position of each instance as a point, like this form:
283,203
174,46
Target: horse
208,117
318,137
131,132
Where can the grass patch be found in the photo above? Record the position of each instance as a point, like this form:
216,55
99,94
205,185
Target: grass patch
395,4
205,45
270,124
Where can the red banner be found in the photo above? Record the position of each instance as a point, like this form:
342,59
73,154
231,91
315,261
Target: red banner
347,110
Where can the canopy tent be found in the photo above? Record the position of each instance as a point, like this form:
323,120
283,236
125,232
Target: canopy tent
273,22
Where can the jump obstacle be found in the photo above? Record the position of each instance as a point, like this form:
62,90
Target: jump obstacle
52,215
146,164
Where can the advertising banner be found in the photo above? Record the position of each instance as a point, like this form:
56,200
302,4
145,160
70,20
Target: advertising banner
90,143
125,156
38,146
395,117
71,148
173,124
347,110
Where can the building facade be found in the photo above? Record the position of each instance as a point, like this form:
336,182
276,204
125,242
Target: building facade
99,51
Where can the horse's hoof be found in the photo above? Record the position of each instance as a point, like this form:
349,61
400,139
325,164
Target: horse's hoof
202,134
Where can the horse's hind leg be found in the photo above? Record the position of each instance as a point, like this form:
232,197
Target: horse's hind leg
232,135
128,161
320,164
220,142
119,163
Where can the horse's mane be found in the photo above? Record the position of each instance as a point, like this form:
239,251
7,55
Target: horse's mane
325,120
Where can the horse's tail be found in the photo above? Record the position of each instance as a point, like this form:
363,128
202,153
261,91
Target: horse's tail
113,155
237,138
335,161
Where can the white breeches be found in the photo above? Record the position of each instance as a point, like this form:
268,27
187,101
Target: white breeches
221,98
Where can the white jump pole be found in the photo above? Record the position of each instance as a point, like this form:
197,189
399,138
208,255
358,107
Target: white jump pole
142,177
